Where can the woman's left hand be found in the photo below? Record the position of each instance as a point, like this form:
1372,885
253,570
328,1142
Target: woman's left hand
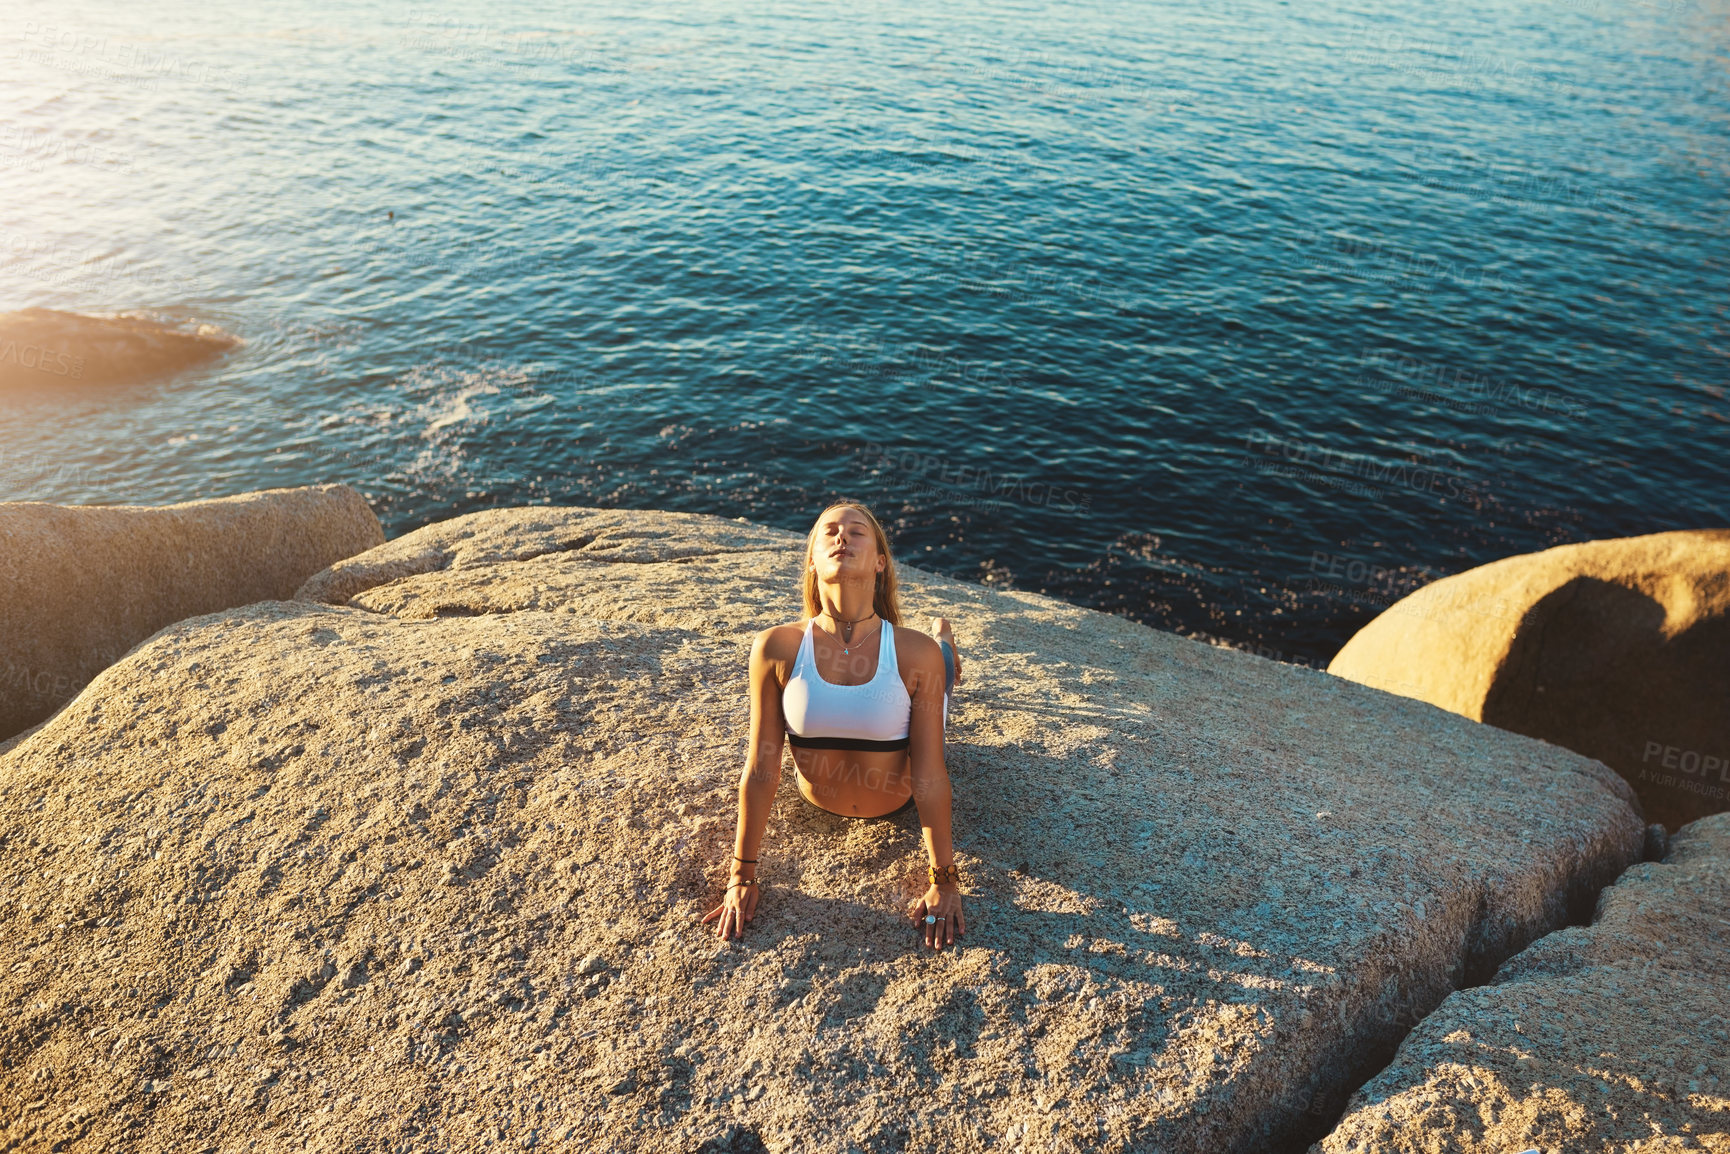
945,906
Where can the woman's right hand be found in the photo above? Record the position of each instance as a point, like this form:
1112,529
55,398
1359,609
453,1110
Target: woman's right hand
737,907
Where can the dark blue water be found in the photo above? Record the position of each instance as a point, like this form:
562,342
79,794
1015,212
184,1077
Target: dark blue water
1241,319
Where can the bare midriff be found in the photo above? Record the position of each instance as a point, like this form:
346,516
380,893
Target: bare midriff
853,782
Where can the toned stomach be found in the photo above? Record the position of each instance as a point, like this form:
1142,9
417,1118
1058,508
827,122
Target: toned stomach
854,783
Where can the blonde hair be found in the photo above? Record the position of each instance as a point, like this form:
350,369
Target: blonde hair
887,600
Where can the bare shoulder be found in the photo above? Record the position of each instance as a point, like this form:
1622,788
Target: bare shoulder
916,649
779,644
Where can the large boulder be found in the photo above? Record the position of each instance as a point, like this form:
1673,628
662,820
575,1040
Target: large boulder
47,347
1619,650
424,870
1611,1037
80,585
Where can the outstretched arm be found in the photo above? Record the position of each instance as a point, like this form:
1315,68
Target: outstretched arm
757,786
762,773
931,791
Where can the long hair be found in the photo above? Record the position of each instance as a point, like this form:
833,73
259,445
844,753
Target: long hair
887,600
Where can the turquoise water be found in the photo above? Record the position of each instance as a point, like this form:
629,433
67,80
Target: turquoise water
1238,319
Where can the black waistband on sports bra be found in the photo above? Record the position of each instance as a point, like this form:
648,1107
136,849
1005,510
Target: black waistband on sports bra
859,743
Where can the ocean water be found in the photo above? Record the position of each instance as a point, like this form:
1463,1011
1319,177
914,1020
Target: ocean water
1239,319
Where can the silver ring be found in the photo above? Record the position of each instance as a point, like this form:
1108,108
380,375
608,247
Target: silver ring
943,917
929,920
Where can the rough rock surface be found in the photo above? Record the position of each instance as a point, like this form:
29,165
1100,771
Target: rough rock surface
1612,1037
433,861
1618,649
80,585
47,347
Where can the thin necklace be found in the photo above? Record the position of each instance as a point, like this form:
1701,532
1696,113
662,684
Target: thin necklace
847,627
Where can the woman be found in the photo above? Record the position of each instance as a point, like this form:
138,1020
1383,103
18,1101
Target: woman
863,701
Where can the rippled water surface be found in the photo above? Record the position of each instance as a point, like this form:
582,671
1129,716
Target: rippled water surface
1241,319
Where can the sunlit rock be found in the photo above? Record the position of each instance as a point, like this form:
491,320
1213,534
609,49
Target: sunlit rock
48,347
435,858
1618,649
80,585
1611,1037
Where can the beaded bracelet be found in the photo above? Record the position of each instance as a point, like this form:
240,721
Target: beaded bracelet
945,874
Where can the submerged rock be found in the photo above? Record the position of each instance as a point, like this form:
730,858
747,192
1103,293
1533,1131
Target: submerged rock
1611,1037
46,346
82,584
434,858
1619,650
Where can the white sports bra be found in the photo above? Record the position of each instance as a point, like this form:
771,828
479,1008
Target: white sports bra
823,715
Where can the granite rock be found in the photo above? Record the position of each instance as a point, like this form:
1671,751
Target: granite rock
1616,649
49,348
81,585
1608,1037
425,869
